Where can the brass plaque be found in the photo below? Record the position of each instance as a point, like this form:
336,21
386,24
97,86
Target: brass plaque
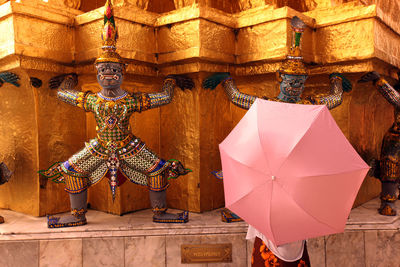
202,253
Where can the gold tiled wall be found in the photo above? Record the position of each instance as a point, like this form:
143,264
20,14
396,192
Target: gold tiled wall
250,40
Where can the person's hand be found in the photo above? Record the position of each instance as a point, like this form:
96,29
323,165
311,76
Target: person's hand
370,76
212,81
56,81
182,81
9,77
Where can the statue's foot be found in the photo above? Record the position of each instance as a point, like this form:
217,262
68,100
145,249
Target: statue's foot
65,221
387,210
228,216
1,219
165,217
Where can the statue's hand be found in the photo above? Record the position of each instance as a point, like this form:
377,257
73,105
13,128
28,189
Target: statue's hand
182,81
375,168
56,81
5,173
9,77
212,81
370,76
346,84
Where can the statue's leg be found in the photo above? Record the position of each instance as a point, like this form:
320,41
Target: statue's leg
159,205
146,164
78,210
158,199
389,194
78,172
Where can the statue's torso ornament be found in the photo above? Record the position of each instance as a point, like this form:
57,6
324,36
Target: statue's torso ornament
115,147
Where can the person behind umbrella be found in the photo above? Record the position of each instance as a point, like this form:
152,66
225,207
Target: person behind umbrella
387,170
291,76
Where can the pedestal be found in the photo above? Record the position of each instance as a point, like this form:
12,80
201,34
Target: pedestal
369,240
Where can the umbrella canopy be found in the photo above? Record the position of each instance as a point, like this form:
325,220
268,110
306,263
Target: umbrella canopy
290,172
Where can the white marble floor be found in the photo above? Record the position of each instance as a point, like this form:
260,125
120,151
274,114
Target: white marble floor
133,239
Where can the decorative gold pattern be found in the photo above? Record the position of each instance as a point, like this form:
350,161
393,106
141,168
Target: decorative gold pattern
293,66
389,198
76,212
109,35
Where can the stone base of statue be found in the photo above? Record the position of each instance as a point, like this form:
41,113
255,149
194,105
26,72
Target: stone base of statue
134,240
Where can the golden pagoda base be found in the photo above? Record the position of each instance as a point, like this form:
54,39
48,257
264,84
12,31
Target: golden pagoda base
42,40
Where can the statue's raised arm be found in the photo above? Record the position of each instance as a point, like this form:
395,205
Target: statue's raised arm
338,84
238,98
387,91
165,96
65,85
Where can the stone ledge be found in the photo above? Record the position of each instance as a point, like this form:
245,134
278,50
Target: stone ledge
24,227
369,239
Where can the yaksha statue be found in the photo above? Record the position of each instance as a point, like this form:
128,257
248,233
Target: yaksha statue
5,173
291,76
115,151
387,169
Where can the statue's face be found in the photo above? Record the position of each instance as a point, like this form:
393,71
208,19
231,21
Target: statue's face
109,75
292,85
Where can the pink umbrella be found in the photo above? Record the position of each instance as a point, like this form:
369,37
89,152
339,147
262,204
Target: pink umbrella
290,172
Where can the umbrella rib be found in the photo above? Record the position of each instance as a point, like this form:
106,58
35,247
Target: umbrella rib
261,184
245,195
306,210
262,148
327,174
245,164
305,132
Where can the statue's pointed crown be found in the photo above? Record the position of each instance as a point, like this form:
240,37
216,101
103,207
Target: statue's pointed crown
109,35
293,63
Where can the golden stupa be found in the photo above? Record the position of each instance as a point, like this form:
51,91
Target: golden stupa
248,38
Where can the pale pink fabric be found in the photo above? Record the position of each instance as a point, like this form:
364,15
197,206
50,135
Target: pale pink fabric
290,172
